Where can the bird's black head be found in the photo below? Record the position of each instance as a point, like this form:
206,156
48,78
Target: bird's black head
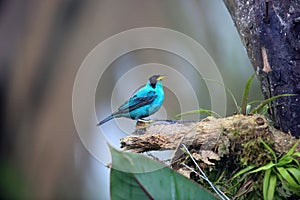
155,78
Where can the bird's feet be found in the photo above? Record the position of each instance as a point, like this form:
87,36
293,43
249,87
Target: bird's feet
143,122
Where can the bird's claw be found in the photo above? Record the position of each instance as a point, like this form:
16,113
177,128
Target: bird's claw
143,122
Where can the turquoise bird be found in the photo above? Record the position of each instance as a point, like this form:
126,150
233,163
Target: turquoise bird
143,103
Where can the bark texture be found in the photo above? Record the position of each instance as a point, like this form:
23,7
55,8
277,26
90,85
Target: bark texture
224,136
270,31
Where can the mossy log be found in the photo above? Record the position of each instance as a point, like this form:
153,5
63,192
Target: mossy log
238,136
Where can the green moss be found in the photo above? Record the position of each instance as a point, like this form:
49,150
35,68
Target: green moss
253,152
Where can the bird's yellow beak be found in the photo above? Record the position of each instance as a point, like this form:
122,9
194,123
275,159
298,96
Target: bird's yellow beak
161,77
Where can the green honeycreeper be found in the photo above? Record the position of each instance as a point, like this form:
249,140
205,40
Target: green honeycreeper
143,103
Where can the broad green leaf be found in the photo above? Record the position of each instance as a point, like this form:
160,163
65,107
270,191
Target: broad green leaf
296,173
263,168
292,149
161,183
296,154
267,101
246,94
285,174
266,183
243,171
285,160
295,162
270,149
272,186
284,183
280,178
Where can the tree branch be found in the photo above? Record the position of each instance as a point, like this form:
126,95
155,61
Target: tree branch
225,136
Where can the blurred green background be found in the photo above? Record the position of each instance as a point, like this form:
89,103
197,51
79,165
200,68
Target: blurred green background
42,45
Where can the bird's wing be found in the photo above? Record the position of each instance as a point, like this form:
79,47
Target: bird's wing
137,101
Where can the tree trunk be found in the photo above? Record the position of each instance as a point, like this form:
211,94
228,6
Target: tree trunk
270,31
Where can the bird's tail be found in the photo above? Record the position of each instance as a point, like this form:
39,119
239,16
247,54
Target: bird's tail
105,120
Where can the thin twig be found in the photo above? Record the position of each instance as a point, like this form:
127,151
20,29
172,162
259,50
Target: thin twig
217,190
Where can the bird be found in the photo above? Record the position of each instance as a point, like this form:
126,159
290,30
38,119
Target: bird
143,103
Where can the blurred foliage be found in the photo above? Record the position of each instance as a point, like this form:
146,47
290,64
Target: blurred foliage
12,183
